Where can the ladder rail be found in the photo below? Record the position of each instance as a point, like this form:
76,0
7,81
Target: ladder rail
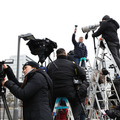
94,85
57,107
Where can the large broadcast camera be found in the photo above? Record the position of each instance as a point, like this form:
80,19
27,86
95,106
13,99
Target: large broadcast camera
42,47
89,28
2,74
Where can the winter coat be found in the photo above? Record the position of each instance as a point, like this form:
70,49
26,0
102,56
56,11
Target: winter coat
80,49
34,94
63,74
108,29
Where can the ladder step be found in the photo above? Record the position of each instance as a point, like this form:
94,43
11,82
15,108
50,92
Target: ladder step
61,107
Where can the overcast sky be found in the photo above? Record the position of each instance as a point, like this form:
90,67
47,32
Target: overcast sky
53,19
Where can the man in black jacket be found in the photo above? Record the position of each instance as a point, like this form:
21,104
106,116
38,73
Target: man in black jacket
108,29
33,91
62,72
80,49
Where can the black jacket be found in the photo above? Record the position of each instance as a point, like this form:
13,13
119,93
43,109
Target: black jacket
64,73
108,30
34,95
79,50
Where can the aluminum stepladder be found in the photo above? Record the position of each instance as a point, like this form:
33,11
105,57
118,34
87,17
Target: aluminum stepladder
58,107
87,67
95,87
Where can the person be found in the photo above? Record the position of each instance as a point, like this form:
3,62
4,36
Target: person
80,49
114,113
34,91
70,55
63,72
108,29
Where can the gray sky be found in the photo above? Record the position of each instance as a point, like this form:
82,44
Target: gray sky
53,19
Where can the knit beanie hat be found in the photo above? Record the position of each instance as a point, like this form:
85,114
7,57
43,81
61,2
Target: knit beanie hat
31,63
106,17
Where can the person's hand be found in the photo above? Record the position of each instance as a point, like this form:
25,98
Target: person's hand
83,89
5,66
3,82
75,30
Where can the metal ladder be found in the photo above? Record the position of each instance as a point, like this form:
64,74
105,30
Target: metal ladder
96,88
87,67
58,108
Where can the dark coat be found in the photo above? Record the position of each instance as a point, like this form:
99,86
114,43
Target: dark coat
79,50
34,95
108,30
63,72
63,76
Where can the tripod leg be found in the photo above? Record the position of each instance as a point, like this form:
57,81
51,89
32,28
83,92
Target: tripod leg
6,106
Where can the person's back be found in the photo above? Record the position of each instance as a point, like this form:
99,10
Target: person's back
108,29
62,72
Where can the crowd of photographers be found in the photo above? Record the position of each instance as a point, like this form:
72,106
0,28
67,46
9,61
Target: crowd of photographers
40,89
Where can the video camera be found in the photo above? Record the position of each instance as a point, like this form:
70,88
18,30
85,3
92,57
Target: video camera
42,47
7,61
89,28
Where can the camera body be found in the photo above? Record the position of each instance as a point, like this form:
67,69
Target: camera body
7,61
42,47
1,71
89,28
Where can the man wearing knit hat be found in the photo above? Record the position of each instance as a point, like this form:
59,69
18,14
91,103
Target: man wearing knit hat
33,91
108,29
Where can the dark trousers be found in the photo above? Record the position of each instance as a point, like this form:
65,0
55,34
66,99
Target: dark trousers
115,52
72,97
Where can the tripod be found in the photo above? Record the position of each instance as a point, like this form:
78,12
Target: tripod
2,94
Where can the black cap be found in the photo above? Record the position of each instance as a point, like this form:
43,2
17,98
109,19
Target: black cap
106,17
31,63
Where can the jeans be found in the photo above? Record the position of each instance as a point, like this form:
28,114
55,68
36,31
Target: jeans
77,61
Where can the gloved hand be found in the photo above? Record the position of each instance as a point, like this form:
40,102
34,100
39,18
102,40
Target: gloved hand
83,90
